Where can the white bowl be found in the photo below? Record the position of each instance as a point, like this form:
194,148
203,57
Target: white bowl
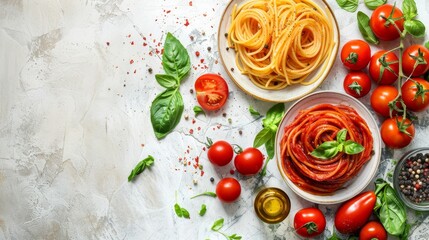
289,93
367,172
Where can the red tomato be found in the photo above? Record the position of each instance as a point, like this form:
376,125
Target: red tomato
415,57
373,230
380,98
415,94
357,84
249,161
355,54
228,189
384,67
385,30
397,133
309,222
220,153
212,91
354,213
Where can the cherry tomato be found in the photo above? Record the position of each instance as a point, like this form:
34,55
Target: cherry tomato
357,84
397,133
309,222
373,230
355,54
228,189
354,213
385,30
212,91
380,98
415,57
415,94
249,161
220,153
384,67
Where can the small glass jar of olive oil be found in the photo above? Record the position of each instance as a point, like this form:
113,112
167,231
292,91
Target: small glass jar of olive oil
272,205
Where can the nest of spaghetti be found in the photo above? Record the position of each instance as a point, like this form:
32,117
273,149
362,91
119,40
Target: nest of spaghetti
311,128
281,42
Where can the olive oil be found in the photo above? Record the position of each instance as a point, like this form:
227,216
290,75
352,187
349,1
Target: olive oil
272,205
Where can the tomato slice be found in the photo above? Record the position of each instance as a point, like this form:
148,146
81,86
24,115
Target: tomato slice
212,91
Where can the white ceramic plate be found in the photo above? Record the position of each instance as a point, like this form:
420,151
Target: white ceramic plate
290,93
368,171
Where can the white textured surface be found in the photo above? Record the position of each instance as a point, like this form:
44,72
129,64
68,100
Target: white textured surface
73,123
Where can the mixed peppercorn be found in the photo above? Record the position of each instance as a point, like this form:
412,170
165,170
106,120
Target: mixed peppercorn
414,178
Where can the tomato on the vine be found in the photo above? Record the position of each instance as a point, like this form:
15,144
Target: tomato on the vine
355,54
228,189
309,222
212,91
384,67
354,213
249,161
415,94
357,84
373,230
381,97
383,29
415,60
396,132
220,153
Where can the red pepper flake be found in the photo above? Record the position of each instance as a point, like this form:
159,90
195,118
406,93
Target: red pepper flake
190,3
129,35
232,171
186,23
202,173
191,131
197,53
218,126
197,159
193,121
204,148
144,38
199,128
135,70
132,42
168,11
144,44
108,43
131,61
202,60
189,163
142,145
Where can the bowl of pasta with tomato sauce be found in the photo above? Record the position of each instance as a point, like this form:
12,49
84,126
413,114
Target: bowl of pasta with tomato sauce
278,50
328,147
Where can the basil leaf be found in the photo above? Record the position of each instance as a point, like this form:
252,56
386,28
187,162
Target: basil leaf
167,81
263,136
365,29
175,58
326,150
373,4
253,112
427,44
210,194
415,27
140,167
166,111
341,135
178,210
351,147
185,213
218,224
348,5
269,147
198,110
274,115
409,9
234,237
203,210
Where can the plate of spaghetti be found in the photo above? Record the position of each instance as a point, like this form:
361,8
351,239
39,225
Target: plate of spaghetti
278,50
328,147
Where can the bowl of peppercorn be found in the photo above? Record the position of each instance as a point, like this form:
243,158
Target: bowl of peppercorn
411,179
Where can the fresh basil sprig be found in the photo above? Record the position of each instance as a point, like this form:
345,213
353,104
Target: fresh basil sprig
427,44
365,29
411,25
348,5
373,4
391,210
218,224
330,149
209,194
181,212
253,112
167,108
268,133
203,210
140,167
198,110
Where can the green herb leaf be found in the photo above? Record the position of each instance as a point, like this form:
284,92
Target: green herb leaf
334,236
178,210
348,5
166,111
269,147
415,27
274,115
198,110
210,194
373,4
409,9
185,213
140,167
365,29
217,225
427,44
253,112
175,58
167,81
352,148
203,210
234,237
341,135
326,150
330,149
263,136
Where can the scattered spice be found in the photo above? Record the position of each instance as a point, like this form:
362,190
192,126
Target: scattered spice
223,114
211,179
226,34
232,171
108,43
150,70
131,61
186,23
414,178
209,49
197,53
240,132
191,91
227,48
232,69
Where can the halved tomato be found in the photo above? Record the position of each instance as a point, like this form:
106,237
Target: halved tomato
212,91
